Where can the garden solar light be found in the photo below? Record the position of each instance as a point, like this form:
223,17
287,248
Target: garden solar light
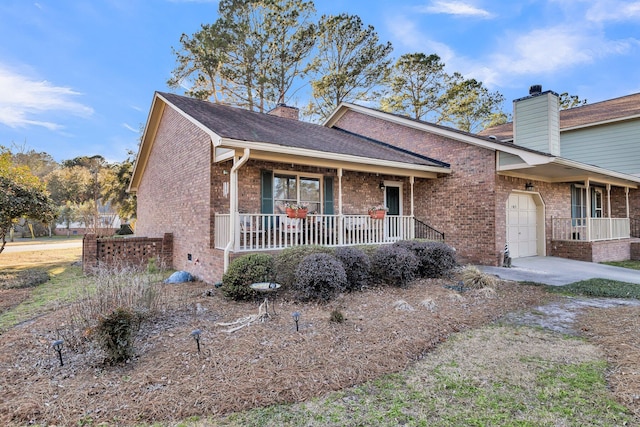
57,346
296,317
196,336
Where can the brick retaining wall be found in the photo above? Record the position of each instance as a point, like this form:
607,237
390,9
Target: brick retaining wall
112,251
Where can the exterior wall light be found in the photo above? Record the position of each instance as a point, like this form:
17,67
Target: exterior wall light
528,186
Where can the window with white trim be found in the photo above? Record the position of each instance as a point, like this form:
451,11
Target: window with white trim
296,189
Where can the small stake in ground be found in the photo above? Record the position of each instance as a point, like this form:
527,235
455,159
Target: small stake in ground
196,336
296,317
57,346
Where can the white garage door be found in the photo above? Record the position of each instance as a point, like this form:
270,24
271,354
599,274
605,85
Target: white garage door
522,226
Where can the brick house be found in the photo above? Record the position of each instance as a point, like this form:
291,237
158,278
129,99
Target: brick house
220,178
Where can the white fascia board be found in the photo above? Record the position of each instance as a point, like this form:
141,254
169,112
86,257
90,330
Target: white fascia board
346,158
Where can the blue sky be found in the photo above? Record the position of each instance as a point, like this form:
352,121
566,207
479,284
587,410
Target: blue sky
77,77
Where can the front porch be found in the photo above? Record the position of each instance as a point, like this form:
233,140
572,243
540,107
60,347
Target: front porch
261,232
590,229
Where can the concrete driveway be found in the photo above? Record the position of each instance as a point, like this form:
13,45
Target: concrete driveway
560,271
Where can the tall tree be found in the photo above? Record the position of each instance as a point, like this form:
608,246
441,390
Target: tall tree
199,64
350,64
416,86
22,195
251,56
469,106
570,101
70,184
40,163
114,188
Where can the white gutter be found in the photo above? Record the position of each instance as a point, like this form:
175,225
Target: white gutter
233,204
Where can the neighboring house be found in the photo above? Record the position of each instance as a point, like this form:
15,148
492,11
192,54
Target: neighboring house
219,178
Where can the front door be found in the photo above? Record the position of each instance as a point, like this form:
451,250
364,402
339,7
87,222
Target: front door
522,225
393,227
393,200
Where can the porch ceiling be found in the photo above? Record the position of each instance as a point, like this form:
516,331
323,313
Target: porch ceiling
563,170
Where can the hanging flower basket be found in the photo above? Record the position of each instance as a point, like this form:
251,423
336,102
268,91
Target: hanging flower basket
377,214
296,213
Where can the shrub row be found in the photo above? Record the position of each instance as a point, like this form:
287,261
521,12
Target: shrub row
318,273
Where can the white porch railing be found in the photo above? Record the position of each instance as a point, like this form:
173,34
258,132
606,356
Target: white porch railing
255,232
590,229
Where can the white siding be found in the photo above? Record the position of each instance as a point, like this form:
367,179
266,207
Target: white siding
615,146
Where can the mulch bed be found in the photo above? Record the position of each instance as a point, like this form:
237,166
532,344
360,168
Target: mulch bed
386,329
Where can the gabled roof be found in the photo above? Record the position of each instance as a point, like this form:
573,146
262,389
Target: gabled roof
272,138
243,125
617,109
535,164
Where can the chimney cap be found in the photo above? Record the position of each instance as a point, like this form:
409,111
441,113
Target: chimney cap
535,89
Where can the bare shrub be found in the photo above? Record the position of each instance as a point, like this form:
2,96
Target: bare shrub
473,278
106,293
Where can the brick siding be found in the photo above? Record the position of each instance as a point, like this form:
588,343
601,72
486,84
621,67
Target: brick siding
175,195
602,251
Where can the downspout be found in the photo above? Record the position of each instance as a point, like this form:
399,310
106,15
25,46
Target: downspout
340,217
233,204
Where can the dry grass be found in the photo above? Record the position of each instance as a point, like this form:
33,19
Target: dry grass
617,332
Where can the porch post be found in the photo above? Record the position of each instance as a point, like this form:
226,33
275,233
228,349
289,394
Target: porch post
412,180
588,191
234,231
340,217
626,192
412,224
609,210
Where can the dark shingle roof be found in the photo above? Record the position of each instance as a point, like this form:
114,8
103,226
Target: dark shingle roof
244,125
611,109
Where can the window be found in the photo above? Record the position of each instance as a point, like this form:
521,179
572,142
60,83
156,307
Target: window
296,189
579,203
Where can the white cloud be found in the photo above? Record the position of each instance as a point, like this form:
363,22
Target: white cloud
457,8
406,33
23,100
612,10
547,50
131,128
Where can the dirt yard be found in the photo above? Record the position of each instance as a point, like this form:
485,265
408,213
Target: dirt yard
269,362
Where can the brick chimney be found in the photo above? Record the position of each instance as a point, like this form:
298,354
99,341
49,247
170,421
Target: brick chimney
283,110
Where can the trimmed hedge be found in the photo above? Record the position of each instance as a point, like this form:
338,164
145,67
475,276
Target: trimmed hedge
319,277
394,265
436,259
243,272
356,265
288,260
